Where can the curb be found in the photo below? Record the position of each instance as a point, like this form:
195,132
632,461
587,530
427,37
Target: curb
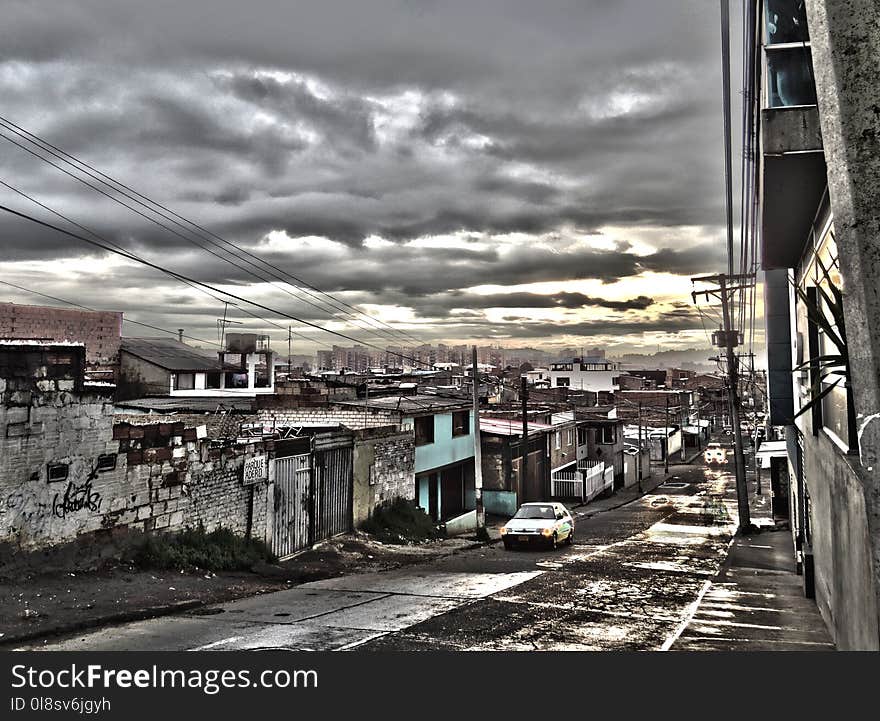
139,614
144,614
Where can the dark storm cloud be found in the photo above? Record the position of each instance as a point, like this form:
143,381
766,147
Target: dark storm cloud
395,118
440,304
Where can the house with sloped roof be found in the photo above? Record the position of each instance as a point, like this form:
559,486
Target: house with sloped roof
169,367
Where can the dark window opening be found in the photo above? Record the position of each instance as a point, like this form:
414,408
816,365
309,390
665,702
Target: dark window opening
58,472
106,462
236,380
212,380
424,427
461,422
563,381
184,381
608,436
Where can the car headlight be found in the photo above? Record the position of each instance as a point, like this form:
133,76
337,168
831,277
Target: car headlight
503,530
547,531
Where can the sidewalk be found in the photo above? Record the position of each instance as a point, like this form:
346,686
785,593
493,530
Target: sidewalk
756,602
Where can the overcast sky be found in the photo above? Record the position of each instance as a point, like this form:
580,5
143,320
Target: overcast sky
543,173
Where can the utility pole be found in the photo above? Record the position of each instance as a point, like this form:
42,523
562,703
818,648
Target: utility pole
478,451
640,449
666,439
728,339
524,399
289,345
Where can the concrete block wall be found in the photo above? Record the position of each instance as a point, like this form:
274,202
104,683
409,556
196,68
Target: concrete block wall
343,415
99,331
384,469
148,476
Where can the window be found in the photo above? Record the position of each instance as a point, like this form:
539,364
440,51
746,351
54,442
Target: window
236,380
563,381
106,462
424,427
57,472
461,423
184,381
608,435
582,436
212,380
834,412
261,374
558,440
569,437
787,54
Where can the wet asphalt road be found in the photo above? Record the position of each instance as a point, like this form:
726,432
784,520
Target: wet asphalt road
630,581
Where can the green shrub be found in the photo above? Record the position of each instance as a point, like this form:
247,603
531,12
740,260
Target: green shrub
400,521
219,550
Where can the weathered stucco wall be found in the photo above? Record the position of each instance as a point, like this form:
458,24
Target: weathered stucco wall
383,470
841,545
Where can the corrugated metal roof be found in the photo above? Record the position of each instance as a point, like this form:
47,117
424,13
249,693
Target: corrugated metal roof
180,404
505,427
417,403
171,354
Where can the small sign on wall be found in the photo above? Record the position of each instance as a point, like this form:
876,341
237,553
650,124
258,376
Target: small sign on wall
255,470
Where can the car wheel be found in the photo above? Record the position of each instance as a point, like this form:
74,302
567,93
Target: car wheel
507,545
554,542
570,538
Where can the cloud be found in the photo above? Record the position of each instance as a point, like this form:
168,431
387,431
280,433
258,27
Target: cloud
516,128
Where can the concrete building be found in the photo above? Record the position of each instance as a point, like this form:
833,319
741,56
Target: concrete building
504,487
590,374
818,180
99,332
442,431
444,448
163,366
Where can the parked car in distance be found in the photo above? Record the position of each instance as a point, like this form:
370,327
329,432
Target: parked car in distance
539,524
715,454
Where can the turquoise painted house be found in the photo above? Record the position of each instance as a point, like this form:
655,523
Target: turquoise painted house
444,457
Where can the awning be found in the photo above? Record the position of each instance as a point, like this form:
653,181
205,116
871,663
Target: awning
771,449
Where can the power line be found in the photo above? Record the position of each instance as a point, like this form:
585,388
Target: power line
168,214
136,257
85,307
180,276
233,263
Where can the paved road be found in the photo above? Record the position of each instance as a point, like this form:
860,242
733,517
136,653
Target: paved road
630,581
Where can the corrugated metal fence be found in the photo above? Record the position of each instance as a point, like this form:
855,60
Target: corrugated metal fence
313,499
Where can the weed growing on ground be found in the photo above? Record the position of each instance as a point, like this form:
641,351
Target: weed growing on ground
400,522
219,550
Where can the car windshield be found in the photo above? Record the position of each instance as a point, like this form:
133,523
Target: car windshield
532,512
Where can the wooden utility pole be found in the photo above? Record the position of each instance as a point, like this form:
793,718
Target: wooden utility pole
728,339
666,439
640,449
289,346
524,399
478,451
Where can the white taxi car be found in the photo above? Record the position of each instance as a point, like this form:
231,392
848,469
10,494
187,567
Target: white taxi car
715,454
539,524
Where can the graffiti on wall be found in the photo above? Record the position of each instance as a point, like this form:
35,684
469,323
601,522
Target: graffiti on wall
77,496
31,506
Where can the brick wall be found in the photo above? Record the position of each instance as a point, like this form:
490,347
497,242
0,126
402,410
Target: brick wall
384,468
342,415
99,331
67,468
